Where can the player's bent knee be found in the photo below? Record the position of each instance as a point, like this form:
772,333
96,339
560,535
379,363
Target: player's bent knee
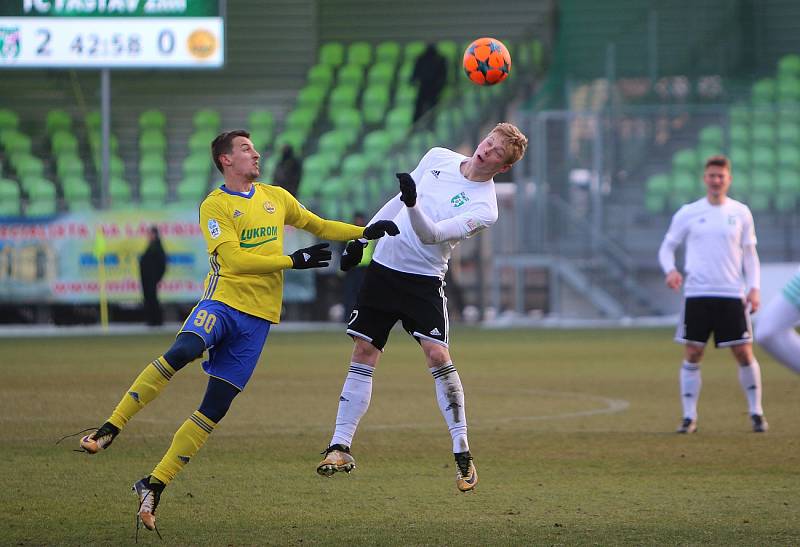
186,348
437,355
217,400
365,353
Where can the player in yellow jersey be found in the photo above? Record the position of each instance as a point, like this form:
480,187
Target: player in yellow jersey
243,223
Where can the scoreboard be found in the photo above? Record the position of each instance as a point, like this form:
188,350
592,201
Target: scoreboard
112,33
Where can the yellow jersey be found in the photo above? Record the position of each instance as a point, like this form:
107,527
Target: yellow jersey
254,222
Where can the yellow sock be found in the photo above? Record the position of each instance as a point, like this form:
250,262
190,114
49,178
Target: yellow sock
187,441
144,389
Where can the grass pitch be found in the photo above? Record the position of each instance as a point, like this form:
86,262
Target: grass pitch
572,433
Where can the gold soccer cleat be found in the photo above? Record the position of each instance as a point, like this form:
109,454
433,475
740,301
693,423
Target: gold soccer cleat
149,496
337,458
466,474
100,439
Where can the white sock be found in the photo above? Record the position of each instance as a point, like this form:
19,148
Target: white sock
691,382
450,395
353,403
775,331
750,380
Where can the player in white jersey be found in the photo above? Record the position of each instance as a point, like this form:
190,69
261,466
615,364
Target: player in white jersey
775,330
720,245
447,198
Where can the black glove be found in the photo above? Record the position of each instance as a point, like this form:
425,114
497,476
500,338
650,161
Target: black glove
352,254
380,228
408,189
316,256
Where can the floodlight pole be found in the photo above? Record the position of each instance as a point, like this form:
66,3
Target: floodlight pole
105,137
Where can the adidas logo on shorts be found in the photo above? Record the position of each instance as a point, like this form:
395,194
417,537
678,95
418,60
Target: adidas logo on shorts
435,332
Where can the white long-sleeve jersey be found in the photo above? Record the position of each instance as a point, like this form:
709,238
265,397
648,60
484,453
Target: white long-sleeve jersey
449,208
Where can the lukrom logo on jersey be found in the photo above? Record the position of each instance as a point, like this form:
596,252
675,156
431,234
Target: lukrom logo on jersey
249,234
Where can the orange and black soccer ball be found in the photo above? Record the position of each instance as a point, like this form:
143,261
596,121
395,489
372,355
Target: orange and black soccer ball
487,61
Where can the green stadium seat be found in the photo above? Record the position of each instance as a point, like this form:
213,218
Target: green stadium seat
93,121
331,54
658,184
740,135
685,160
788,182
334,142
788,90
196,166
380,74
57,120
412,51
704,152
9,198
763,157
740,184
685,184
404,75
39,189
192,190
152,120
200,142
376,146
153,192
8,120
762,134
342,97
655,203
712,136
763,114
295,139
15,142
206,120
405,96
788,133
120,193
152,166
27,165
152,141
316,170
348,119
95,142
359,54
261,138
300,120
789,66
759,202
387,52
355,166
69,166
452,53
261,120
76,189
311,97
763,92
740,159
374,104
350,75
764,182
320,75
63,142
789,157
739,114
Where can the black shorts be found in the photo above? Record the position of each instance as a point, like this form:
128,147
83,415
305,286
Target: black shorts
387,296
727,318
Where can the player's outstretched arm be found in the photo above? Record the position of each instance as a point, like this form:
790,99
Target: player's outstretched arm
430,232
240,262
316,256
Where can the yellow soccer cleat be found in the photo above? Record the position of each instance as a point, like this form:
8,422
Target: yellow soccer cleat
337,458
466,474
100,439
